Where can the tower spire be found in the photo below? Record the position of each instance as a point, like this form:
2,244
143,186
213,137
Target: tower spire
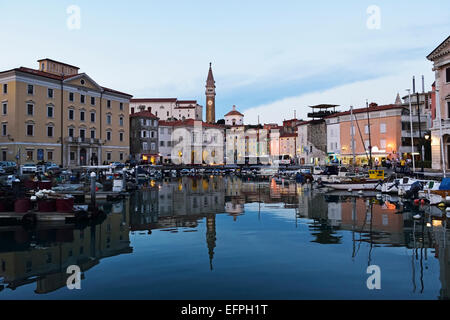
210,97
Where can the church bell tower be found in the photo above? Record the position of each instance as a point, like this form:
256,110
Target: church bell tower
210,97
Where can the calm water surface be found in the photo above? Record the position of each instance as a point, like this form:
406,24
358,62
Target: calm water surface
225,238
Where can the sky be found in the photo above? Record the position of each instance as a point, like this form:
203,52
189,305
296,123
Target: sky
269,57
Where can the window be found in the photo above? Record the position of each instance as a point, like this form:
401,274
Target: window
93,101
4,129
121,136
143,134
70,132
121,156
108,156
50,93
82,98
144,146
153,134
383,128
81,115
92,116
29,155
72,156
121,106
121,121
108,119
71,98
108,135
366,129
49,155
82,133
30,89
5,88
92,134
448,110
161,143
153,146
30,109
50,111
167,113
71,114
49,131
4,108
447,75
3,159
383,144
108,104
30,129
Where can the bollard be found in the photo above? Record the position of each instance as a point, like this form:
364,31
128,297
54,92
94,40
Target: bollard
124,180
93,187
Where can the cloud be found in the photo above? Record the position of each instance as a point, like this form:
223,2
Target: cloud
381,90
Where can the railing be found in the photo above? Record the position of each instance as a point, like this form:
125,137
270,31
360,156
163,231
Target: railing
85,140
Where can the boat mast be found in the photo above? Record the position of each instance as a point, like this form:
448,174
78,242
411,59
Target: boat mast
353,136
411,129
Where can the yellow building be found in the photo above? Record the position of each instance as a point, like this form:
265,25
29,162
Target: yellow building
59,115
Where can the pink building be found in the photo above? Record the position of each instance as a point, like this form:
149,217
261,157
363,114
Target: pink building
441,66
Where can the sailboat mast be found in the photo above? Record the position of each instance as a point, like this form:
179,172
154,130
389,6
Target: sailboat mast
353,136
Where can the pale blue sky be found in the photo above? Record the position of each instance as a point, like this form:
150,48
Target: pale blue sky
267,56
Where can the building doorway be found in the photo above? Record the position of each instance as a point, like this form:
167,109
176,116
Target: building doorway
83,157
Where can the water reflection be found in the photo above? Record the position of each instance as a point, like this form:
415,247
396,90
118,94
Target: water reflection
365,225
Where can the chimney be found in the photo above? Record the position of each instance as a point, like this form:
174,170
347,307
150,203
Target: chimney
132,110
149,109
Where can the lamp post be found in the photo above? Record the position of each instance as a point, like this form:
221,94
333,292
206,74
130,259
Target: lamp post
411,129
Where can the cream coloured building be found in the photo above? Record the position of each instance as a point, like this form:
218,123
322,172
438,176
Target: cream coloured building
57,114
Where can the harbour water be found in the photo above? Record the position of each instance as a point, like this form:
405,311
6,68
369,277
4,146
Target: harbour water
228,238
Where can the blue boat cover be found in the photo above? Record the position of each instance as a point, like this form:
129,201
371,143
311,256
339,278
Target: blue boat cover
445,184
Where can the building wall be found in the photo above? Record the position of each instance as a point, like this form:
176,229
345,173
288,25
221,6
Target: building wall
390,137
17,118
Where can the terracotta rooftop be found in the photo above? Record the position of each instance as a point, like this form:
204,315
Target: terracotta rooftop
189,123
56,77
143,114
154,100
372,108
234,112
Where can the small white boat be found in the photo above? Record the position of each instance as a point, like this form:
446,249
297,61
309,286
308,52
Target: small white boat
354,184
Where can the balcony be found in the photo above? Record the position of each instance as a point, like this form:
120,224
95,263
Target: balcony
82,140
423,118
407,134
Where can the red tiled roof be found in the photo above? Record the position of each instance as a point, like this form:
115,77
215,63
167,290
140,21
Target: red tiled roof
143,114
188,122
288,135
57,77
363,110
154,100
234,113
187,101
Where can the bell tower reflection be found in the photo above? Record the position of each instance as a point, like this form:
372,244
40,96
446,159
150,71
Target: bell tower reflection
211,237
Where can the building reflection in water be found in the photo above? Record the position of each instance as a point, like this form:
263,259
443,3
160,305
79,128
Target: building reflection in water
42,255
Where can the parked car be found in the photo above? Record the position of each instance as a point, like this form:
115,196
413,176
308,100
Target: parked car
28,168
2,171
52,167
8,166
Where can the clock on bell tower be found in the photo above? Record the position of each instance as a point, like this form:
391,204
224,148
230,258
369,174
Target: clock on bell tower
210,97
